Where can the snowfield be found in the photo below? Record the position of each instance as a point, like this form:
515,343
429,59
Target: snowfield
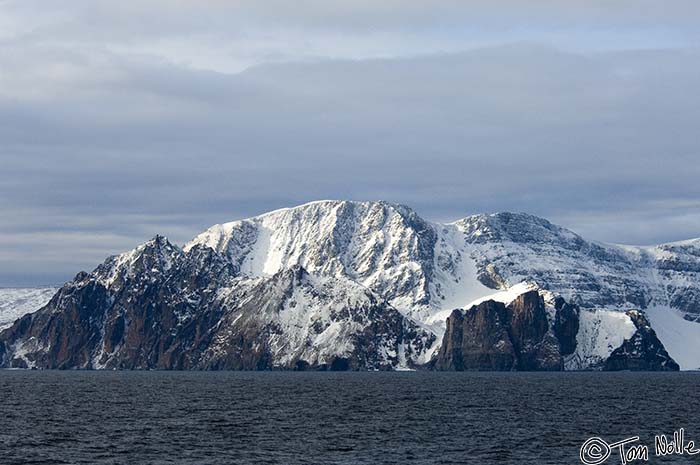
15,302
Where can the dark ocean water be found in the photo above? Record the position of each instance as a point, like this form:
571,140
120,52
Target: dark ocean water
336,418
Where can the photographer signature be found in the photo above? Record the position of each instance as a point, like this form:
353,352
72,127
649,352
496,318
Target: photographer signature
596,451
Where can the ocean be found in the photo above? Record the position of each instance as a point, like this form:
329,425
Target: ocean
326,418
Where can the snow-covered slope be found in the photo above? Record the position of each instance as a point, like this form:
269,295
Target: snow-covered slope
15,302
510,248
600,333
418,266
680,336
387,248
315,319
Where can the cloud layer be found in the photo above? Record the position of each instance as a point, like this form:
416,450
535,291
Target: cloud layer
118,123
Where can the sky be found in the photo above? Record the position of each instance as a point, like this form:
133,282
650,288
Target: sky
120,120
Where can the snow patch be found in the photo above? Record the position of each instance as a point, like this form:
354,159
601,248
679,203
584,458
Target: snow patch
505,297
600,333
680,337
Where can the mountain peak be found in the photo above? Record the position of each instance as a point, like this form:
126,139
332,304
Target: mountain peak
335,205
515,227
155,255
157,243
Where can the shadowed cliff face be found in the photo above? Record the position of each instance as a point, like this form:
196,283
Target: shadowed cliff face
123,315
493,336
477,339
63,338
536,346
566,325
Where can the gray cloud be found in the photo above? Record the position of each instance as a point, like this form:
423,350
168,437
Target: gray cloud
231,35
103,144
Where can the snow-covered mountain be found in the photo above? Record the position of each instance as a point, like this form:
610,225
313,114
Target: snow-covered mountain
427,269
365,285
18,301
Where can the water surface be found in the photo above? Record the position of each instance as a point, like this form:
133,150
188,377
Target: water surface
71,417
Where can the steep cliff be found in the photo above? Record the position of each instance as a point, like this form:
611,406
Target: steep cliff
518,336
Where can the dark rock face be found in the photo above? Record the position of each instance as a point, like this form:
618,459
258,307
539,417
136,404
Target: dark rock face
477,339
491,336
528,328
566,323
642,352
66,337
162,308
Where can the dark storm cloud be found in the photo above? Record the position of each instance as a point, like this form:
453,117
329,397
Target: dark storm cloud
106,138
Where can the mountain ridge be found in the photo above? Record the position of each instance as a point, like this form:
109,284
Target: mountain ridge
414,273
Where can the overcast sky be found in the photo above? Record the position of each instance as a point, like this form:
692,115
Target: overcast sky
120,120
